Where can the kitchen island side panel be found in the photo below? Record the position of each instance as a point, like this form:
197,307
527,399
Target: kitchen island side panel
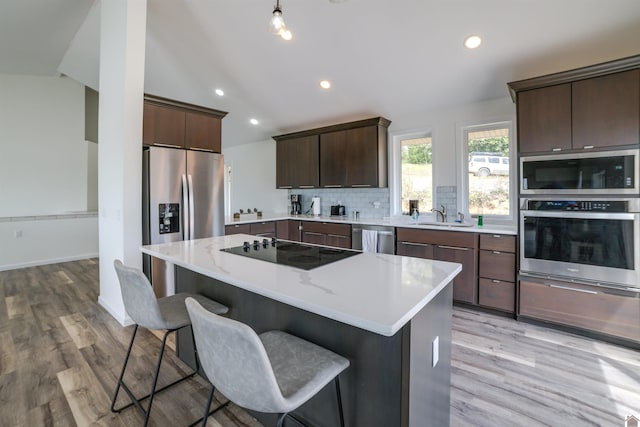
377,388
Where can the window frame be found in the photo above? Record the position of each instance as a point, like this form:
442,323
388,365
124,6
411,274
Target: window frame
395,164
462,130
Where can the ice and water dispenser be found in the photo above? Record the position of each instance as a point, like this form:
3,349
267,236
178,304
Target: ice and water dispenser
169,217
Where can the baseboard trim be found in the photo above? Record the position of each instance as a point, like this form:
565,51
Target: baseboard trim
124,321
47,261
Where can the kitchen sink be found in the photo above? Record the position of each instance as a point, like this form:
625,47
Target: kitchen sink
447,224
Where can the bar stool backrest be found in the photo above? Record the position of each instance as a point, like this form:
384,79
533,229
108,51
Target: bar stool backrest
235,360
138,297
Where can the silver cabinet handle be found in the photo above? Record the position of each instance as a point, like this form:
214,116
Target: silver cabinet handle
557,149
497,236
285,187
361,185
568,288
496,281
587,147
332,186
496,252
206,150
305,186
415,244
337,235
455,248
312,233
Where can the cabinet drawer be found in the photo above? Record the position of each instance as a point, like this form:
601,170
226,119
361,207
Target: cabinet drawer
313,237
237,229
263,228
497,294
418,250
498,265
338,241
436,237
597,309
498,242
327,228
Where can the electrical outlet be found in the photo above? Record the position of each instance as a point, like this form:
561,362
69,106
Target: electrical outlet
435,351
17,234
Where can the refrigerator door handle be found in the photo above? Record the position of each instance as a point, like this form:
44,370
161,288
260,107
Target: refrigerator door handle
191,209
185,208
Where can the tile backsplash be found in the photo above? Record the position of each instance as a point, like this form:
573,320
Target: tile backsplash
372,203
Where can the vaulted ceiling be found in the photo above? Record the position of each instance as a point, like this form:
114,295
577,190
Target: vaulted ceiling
389,58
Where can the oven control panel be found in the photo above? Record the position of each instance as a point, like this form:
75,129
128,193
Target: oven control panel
578,205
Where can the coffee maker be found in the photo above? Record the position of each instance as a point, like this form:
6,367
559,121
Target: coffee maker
296,204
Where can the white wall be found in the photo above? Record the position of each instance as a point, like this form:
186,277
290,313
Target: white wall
253,178
44,170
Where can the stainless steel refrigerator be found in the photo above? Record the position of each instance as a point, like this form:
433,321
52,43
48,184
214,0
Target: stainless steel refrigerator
182,199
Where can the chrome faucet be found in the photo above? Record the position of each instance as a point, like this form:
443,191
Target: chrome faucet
441,212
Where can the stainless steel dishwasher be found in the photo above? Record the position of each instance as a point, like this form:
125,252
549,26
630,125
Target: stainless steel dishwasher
386,237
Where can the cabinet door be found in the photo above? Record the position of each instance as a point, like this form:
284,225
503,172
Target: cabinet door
497,294
314,237
498,265
282,229
544,119
464,284
295,232
297,164
333,159
237,229
264,229
606,110
163,126
203,132
362,157
418,250
338,241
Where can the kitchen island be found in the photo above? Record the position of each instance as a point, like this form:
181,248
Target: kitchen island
389,315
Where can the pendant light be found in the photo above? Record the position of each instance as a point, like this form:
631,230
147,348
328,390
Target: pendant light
276,24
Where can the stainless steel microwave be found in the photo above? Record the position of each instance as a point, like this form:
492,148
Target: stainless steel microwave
602,172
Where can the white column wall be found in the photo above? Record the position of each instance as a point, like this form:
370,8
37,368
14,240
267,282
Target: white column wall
122,54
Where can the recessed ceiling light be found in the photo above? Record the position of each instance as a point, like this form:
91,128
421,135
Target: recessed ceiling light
325,84
254,122
219,92
472,42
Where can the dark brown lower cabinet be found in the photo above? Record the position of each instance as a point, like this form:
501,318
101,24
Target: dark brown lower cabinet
464,284
327,234
453,246
266,229
237,229
604,310
497,294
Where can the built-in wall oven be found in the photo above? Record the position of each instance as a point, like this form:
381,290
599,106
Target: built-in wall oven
588,174
595,241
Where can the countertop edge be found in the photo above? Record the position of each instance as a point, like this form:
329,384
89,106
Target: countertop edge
487,229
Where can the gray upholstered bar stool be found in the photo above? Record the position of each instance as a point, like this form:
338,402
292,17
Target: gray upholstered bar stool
273,372
168,313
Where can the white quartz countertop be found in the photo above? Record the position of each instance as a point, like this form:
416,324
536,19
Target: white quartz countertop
376,292
391,222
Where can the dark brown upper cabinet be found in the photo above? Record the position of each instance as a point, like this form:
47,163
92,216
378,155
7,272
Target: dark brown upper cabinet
606,110
297,162
544,119
595,107
177,124
350,155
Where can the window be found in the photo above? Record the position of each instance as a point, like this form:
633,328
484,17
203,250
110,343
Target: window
487,176
413,171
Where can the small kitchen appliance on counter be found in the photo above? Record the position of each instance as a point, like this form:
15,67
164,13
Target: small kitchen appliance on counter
338,210
296,204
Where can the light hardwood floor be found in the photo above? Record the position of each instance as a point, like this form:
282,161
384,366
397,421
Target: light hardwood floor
60,355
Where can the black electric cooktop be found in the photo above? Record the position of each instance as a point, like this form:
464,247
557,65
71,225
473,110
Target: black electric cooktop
298,255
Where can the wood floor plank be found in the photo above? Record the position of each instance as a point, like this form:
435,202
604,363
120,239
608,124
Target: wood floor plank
79,329
89,404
